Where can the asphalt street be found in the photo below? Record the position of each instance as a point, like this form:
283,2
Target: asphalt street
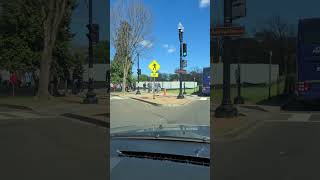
284,147
35,146
129,112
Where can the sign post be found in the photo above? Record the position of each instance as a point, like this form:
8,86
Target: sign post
154,66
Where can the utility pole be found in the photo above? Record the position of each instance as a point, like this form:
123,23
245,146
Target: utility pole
139,72
239,99
226,109
91,96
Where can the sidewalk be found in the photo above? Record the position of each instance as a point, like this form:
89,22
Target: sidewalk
58,106
250,117
160,99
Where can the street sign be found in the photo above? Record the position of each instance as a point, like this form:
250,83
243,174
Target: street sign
184,63
182,71
154,66
154,75
238,9
228,31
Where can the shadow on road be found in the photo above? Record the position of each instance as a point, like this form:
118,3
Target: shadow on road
289,103
275,100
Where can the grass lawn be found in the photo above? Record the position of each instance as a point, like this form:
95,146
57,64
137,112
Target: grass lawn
251,94
176,91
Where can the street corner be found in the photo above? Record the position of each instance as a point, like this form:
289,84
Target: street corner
101,120
161,100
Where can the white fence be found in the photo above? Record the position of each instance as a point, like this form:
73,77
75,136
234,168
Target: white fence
250,73
99,72
171,84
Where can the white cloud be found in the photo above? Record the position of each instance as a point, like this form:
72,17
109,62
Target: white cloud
169,48
146,43
204,3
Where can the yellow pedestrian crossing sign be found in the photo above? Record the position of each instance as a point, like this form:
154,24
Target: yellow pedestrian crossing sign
154,66
154,74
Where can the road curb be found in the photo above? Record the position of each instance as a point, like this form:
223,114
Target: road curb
152,103
19,107
159,105
94,121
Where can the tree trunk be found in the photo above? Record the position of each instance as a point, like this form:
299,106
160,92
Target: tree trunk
45,64
124,79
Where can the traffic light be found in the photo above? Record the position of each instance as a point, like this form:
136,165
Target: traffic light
184,49
139,71
94,33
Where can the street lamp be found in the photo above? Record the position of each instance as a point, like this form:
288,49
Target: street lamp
180,30
139,72
226,109
90,96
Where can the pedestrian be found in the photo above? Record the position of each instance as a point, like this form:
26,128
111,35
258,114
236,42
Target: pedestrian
156,87
13,82
35,77
149,87
144,86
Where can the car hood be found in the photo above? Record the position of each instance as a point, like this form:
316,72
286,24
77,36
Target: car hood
139,167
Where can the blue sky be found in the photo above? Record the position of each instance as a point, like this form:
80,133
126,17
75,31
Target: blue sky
195,17
258,11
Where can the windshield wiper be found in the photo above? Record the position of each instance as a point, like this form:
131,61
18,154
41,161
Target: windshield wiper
202,161
163,138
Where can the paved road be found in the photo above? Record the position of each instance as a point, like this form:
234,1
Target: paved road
34,146
286,146
128,112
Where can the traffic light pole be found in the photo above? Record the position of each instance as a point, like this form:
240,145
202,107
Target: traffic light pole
226,109
90,96
180,96
238,99
138,91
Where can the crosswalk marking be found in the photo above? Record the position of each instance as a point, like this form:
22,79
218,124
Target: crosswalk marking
3,117
300,117
203,99
116,97
20,115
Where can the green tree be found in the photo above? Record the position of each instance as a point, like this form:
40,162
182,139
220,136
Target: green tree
130,26
101,52
173,77
144,77
20,34
22,37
